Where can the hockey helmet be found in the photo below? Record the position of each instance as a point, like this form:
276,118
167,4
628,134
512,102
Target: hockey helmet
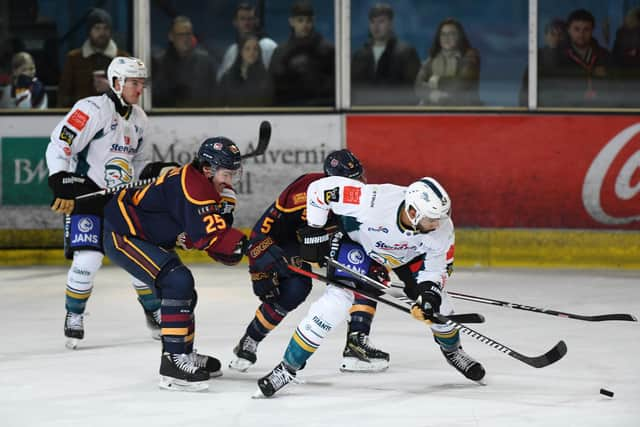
428,198
122,68
343,163
219,152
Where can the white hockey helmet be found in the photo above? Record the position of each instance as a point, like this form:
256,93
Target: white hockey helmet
428,198
121,68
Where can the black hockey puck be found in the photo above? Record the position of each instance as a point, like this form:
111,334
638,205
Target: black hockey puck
606,392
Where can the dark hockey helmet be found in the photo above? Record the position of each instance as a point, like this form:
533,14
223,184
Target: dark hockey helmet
343,163
219,152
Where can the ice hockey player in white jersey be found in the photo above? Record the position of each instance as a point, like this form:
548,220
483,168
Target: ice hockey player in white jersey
98,144
407,229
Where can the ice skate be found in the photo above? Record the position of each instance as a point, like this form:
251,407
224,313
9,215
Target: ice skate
208,363
245,353
275,380
178,372
73,329
465,364
153,323
360,355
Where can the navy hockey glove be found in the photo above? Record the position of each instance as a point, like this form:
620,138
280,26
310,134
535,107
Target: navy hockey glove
265,285
265,256
428,301
314,244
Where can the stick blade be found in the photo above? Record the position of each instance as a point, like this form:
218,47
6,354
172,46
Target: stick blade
556,353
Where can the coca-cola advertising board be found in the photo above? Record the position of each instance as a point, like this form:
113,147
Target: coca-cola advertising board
551,171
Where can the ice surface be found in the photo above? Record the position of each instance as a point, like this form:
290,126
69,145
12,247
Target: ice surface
111,380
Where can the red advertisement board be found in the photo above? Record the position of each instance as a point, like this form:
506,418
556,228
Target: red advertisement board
552,171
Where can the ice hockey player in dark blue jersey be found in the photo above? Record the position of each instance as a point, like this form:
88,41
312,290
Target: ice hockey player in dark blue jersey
273,240
141,227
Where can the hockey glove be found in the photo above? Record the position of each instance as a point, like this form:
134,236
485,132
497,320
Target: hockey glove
65,187
265,256
266,285
428,301
230,249
379,273
314,244
183,241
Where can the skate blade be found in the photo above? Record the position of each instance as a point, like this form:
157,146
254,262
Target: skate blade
215,374
240,365
173,384
72,343
259,395
352,364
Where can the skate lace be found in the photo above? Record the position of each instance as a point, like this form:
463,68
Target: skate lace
184,362
280,377
365,342
199,360
460,359
156,317
75,321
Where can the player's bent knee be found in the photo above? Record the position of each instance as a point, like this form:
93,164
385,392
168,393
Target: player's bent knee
175,280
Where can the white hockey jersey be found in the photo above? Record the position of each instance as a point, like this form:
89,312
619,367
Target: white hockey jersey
94,140
370,213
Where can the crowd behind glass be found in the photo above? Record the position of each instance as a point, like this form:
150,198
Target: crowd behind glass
291,63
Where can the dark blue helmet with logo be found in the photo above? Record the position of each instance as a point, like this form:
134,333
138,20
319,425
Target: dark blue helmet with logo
219,152
343,163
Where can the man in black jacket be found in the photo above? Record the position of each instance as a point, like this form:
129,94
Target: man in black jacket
303,67
384,69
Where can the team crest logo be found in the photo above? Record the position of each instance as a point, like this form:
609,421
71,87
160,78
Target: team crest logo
355,256
332,195
85,224
117,172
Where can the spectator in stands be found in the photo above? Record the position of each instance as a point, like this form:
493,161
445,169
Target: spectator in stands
303,67
450,74
626,58
247,83
25,90
555,35
245,22
384,69
183,74
84,70
580,75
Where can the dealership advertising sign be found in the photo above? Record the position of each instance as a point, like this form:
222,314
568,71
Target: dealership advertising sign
298,145
552,171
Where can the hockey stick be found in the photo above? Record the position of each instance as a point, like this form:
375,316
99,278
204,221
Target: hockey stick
556,353
507,304
382,297
264,136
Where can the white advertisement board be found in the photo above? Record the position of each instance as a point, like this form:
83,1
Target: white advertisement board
298,145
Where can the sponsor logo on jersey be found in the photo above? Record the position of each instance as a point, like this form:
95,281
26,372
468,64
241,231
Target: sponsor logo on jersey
321,323
127,140
67,135
352,195
115,148
299,198
85,225
374,194
114,123
78,119
67,151
402,246
116,172
380,229
332,195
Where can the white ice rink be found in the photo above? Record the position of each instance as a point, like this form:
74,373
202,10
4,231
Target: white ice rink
111,380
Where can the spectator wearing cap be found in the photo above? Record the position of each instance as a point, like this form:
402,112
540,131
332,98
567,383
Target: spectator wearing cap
384,69
303,67
84,70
